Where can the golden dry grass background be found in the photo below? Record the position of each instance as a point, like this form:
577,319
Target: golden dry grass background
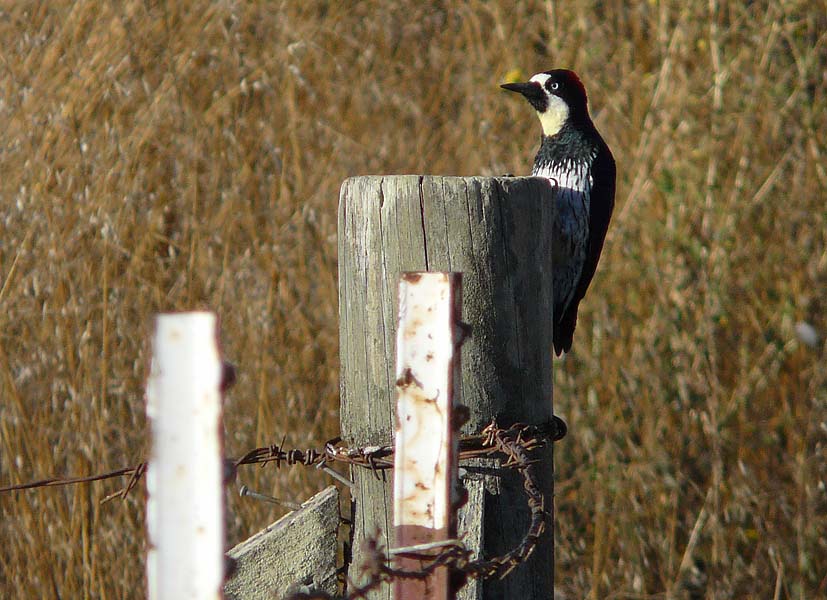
186,156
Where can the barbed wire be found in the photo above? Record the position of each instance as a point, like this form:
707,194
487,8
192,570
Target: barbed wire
375,458
515,444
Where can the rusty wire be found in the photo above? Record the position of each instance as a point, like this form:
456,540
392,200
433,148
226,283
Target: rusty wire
514,444
375,458
135,473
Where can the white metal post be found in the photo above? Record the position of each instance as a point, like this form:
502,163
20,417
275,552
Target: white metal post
185,511
425,463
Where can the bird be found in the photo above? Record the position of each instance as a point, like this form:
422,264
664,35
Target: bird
574,155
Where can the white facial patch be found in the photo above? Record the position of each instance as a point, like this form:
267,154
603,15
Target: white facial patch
555,116
541,78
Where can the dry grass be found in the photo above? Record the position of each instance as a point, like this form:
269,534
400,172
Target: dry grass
161,158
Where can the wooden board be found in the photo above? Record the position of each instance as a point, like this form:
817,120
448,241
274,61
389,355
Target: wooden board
296,552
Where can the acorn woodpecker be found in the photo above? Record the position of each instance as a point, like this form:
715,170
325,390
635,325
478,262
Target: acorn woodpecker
576,158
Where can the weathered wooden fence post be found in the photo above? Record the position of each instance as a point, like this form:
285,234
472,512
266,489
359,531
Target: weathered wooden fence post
498,233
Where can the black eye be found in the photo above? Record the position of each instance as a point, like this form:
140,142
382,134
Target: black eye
554,86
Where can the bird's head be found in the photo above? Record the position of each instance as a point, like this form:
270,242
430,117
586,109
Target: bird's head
558,96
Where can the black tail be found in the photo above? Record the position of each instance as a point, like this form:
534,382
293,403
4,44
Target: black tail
564,330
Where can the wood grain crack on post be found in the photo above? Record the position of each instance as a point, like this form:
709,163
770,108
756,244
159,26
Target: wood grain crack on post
425,469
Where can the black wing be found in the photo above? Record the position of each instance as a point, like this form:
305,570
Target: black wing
601,205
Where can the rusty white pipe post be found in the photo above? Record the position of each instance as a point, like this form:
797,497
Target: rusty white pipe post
185,511
427,382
